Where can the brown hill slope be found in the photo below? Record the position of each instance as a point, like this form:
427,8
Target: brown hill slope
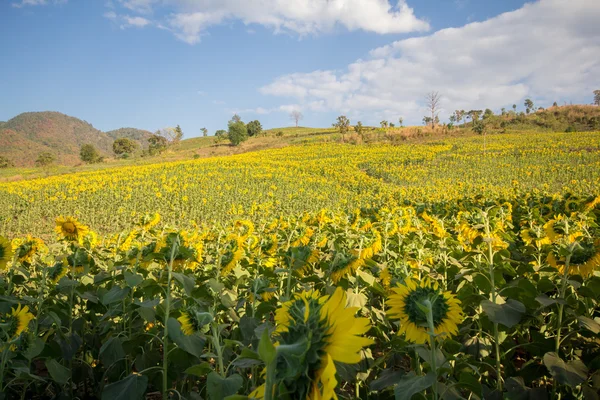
25,136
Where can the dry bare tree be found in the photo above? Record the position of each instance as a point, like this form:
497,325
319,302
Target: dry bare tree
432,100
296,116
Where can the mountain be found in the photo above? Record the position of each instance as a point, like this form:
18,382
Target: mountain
25,136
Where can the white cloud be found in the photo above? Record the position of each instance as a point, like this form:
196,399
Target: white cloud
218,102
549,50
24,3
189,19
138,22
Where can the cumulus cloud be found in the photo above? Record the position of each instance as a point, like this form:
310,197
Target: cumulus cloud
189,19
127,21
549,50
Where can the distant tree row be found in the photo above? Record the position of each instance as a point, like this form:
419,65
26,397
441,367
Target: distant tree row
238,132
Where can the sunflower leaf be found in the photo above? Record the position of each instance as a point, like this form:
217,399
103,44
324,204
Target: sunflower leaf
589,324
508,314
58,373
411,384
132,387
266,350
185,281
571,373
218,387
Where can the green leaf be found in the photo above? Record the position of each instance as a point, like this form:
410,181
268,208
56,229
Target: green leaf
218,387
114,295
58,373
425,354
229,298
266,350
131,388
111,352
411,384
199,370
508,313
589,324
192,344
355,300
185,281
133,279
34,349
572,373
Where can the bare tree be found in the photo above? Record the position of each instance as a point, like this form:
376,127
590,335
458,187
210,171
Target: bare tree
597,97
433,104
296,116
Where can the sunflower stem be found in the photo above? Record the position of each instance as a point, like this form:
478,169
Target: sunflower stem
217,344
165,367
432,344
494,296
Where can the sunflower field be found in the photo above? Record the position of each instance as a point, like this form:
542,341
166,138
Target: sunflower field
434,271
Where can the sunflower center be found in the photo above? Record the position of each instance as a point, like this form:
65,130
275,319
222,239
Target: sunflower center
417,297
583,254
69,227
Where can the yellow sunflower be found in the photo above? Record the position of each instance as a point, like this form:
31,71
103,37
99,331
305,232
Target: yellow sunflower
193,321
18,321
27,247
56,272
535,235
404,305
556,229
326,331
6,253
584,260
70,229
344,265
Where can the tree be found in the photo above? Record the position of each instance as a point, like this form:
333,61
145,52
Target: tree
392,125
452,119
342,124
296,116
204,132
178,134
237,132
503,110
426,120
5,162
123,146
384,124
89,154
460,114
432,100
474,115
528,105
157,144
555,104
359,128
400,121
254,128
488,113
597,97
220,135
515,108
45,159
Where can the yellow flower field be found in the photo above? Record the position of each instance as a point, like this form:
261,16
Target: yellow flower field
311,272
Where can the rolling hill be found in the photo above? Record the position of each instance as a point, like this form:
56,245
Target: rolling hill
25,136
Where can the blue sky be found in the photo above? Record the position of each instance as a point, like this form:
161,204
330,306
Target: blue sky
157,63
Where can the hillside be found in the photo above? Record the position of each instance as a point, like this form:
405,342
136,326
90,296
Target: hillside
25,136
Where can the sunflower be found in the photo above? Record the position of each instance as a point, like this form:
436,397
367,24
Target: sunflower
26,248
404,305
535,235
344,265
556,229
231,258
149,221
70,229
56,272
326,331
584,260
6,253
18,321
193,321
